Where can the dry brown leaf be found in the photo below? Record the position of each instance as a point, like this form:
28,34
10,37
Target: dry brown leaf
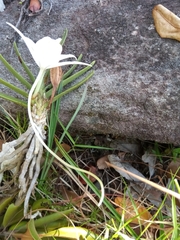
34,6
55,77
131,210
151,160
23,236
91,169
166,22
143,190
66,148
101,162
71,196
118,164
173,168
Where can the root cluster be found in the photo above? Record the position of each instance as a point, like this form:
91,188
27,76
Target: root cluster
20,160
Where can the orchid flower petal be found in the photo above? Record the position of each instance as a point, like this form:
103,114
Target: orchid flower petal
60,64
47,51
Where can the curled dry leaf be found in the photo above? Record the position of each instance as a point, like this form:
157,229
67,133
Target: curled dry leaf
91,169
143,190
34,6
101,162
117,164
55,76
132,210
71,196
66,148
151,160
173,168
167,23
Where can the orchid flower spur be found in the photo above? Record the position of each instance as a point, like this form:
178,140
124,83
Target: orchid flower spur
27,151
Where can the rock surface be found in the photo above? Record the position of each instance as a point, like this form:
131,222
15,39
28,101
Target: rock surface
135,92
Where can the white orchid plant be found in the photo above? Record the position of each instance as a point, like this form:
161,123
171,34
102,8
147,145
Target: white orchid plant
23,156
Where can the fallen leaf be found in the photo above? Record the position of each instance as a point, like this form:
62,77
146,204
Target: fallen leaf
118,163
166,22
126,146
71,196
101,162
132,210
150,193
91,169
151,160
66,148
173,168
34,6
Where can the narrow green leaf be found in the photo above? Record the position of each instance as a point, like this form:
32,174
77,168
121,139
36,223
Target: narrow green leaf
15,73
13,99
78,74
32,230
65,33
14,88
27,70
43,221
74,87
51,218
75,113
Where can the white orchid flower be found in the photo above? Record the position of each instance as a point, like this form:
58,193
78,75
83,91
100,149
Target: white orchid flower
46,52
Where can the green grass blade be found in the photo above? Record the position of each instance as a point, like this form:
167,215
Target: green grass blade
27,70
54,120
75,113
94,188
74,87
55,108
65,33
175,233
14,88
13,99
15,73
80,145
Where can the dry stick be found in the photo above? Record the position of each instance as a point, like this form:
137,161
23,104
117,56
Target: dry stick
155,185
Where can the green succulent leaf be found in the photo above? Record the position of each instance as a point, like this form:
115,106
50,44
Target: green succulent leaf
13,214
15,73
32,230
4,203
27,70
13,99
14,88
74,87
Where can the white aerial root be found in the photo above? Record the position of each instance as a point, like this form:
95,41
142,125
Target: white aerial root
22,157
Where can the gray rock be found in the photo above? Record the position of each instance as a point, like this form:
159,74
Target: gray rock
135,91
